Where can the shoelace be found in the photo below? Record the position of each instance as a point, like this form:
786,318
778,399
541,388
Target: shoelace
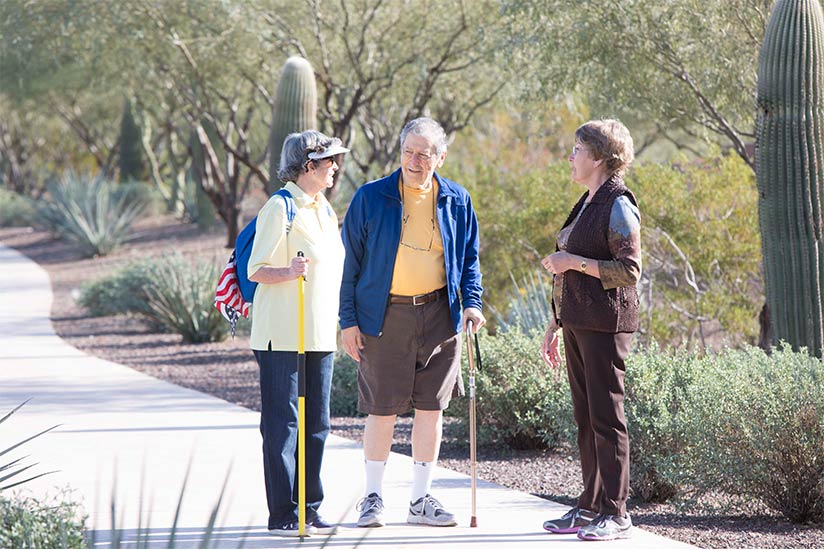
367,503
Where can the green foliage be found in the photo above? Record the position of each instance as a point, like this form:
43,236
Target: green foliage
10,470
170,292
701,274
520,401
754,426
343,400
180,297
15,210
119,293
93,213
33,523
295,109
130,147
790,151
656,385
530,309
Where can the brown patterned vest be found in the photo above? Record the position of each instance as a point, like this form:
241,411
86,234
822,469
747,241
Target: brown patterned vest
585,303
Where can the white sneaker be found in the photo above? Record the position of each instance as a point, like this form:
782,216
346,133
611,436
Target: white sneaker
428,511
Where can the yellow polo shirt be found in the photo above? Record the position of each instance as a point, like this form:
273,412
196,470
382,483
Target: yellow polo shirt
275,307
419,265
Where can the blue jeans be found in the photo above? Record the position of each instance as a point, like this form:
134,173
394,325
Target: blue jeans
279,428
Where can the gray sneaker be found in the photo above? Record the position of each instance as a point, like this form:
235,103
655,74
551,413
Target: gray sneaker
606,527
570,523
428,511
371,511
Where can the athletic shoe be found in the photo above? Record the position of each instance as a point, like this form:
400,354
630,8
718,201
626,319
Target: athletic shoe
371,509
428,511
320,527
607,527
569,523
289,529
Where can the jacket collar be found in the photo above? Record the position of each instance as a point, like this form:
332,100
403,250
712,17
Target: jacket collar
390,186
606,189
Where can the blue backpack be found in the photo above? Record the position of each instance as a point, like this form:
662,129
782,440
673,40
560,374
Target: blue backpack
243,247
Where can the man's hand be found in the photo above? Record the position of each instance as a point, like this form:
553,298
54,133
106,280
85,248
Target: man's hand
473,314
352,342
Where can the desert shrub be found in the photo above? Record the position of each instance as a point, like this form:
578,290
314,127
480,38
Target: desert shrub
657,386
15,209
755,428
343,400
32,523
170,293
180,297
121,292
91,212
520,401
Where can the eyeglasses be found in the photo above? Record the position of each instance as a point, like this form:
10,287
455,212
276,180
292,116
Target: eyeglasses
577,149
408,154
405,220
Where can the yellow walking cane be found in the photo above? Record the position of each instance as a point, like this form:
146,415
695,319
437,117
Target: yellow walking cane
301,409
473,522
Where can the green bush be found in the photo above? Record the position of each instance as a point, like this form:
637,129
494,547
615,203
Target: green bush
32,523
181,297
754,425
122,292
520,401
95,214
657,384
15,209
169,292
343,400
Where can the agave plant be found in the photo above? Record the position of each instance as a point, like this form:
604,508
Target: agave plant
10,471
530,306
181,298
92,212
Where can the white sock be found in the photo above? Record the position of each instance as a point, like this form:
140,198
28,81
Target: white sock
421,478
374,476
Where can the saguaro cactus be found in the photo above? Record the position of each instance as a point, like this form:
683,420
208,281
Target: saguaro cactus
295,109
790,170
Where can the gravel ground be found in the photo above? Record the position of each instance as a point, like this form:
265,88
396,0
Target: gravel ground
227,370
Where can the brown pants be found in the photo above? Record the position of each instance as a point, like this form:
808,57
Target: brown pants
595,364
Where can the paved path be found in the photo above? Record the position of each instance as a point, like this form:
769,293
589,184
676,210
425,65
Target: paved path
129,435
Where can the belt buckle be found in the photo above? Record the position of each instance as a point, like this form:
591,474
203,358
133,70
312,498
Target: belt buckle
415,299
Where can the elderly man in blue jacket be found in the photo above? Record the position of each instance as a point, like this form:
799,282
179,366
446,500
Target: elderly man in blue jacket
411,284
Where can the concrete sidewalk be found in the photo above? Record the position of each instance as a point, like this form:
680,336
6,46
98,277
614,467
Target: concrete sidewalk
127,437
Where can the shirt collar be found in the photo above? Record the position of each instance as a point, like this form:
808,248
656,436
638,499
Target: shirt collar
300,197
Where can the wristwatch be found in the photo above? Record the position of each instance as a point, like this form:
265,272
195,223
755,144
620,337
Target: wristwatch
583,266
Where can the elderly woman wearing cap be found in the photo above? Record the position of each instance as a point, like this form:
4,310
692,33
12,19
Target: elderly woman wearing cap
308,163
595,270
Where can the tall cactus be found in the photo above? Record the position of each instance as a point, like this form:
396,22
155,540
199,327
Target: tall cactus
295,109
131,146
790,170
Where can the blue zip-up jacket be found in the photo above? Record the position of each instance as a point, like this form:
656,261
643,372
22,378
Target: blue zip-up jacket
371,235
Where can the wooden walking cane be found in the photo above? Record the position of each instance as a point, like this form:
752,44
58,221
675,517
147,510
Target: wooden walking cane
473,521
301,409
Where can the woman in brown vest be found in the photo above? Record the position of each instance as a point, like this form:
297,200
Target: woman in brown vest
595,269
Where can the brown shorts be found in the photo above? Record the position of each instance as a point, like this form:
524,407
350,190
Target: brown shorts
414,363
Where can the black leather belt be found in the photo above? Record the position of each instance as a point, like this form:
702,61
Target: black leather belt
418,300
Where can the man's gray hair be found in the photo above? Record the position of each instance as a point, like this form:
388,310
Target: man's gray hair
428,128
294,157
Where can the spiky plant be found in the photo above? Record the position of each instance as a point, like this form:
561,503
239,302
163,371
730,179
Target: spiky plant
9,471
790,170
295,109
94,213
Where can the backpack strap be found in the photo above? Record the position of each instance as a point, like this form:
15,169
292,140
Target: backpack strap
290,207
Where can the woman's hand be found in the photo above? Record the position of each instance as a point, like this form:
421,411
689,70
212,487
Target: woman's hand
299,267
550,347
558,262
